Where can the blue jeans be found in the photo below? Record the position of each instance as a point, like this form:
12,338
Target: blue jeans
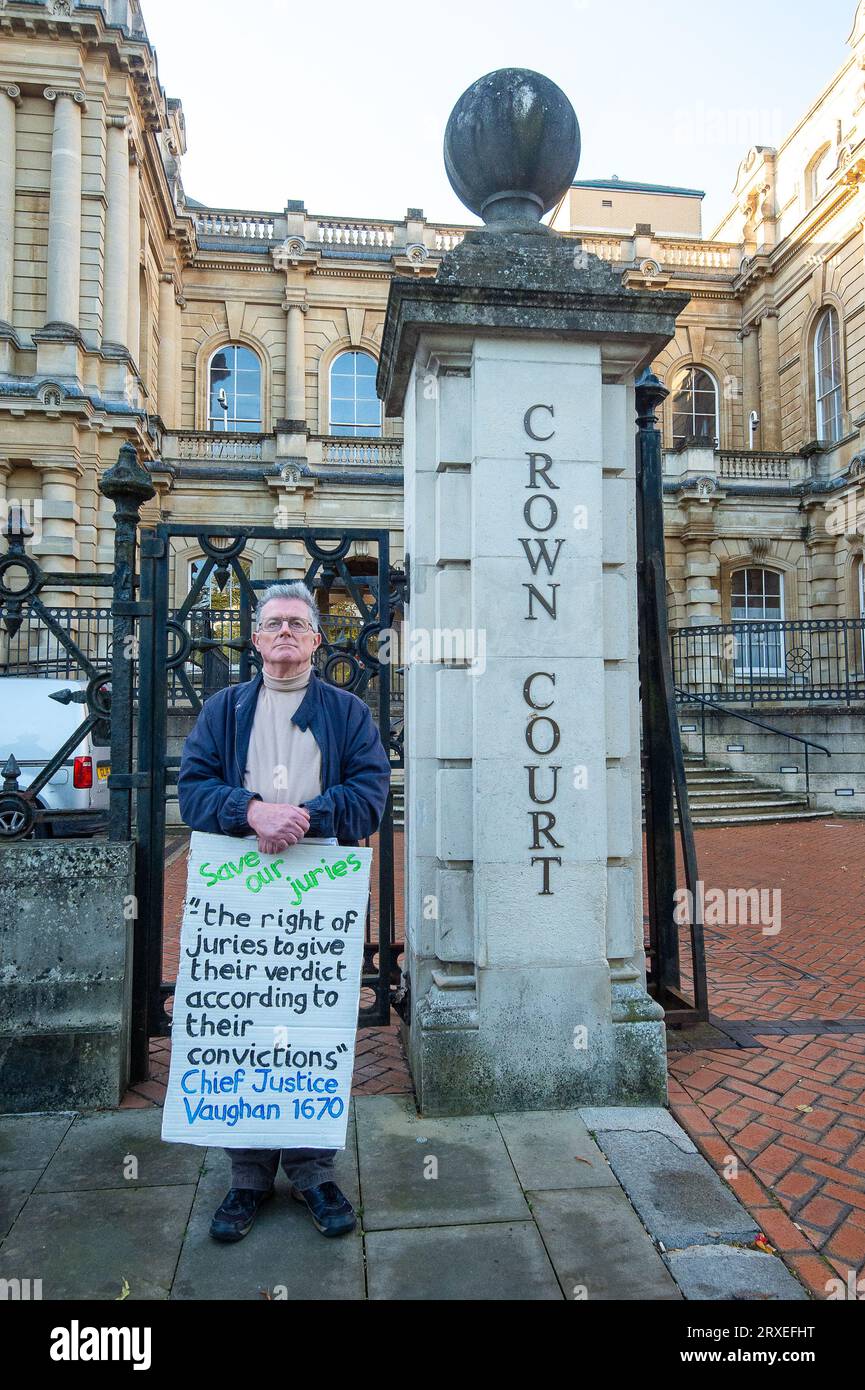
257,1168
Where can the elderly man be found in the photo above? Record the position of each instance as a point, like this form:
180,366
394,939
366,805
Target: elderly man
284,756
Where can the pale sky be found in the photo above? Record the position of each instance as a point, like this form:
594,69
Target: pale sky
344,104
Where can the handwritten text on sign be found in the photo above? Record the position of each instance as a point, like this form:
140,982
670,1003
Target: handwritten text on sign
265,1010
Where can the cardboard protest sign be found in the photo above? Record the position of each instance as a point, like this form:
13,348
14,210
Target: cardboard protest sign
265,1009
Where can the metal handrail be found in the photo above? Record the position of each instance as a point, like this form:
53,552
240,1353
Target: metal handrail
687,695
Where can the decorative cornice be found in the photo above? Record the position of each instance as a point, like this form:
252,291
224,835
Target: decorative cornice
199,263
334,274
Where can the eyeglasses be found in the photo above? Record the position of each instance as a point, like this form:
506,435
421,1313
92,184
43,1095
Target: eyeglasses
296,626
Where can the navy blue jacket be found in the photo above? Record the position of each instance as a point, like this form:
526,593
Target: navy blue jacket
355,769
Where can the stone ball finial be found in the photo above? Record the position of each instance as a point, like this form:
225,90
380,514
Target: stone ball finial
512,146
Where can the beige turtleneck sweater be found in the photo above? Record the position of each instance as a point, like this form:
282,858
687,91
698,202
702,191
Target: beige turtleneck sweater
283,764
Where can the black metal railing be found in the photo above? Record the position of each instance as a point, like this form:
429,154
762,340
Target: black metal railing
808,660
710,708
74,644
33,649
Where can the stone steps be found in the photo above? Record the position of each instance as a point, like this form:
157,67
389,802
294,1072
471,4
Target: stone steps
718,795
727,819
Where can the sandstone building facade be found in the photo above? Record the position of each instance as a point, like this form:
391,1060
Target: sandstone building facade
237,348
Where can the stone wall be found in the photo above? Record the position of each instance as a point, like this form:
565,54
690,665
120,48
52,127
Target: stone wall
65,974
840,730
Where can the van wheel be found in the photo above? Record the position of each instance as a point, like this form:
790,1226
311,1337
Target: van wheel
17,820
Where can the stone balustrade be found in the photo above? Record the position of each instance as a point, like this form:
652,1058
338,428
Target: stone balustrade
759,466
223,224
381,234
444,239
344,233
375,235
210,446
698,255
608,248
702,464
349,232
334,451
338,451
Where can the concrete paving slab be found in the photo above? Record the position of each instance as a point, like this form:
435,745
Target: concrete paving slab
722,1272
30,1141
598,1246
283,1258
83,1245
679,1197
504,1261
15,1188
425,1172
553,1149
98,1151
637,1119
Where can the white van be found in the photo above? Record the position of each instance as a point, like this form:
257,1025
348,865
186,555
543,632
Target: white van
33,727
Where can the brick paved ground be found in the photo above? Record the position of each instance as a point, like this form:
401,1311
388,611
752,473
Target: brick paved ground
779,1085
783,1092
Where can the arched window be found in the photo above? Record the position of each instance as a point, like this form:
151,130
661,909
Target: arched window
234,390
695,406
827,376
354,407
757,596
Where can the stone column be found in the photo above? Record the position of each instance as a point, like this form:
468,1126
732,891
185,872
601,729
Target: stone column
10,98
169,357
295,363
822,567
64,210
291,493
706,663
750,383
115,326
770,385
133,310
513,371
58,549
702,598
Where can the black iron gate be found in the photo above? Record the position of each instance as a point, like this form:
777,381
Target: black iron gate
663,759
188,646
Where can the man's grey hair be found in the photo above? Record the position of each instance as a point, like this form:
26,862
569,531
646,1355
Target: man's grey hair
296,590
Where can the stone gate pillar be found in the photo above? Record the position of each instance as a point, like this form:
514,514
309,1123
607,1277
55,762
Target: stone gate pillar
514,373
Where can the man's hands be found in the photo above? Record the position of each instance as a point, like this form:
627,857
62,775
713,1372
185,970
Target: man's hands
277,827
